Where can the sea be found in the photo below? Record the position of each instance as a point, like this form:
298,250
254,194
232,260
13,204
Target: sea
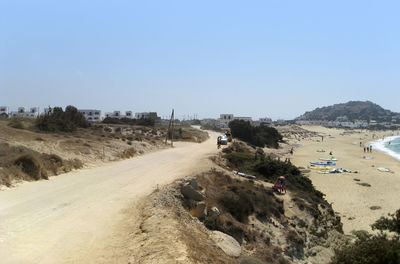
388,145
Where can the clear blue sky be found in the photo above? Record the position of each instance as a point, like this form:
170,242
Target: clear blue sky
249,58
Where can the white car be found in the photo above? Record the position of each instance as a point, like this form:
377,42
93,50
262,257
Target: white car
224,139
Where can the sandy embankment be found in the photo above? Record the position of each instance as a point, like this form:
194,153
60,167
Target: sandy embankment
353,201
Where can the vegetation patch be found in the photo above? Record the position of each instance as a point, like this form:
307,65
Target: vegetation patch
15,123
270,169
257,136
128,153
20,163
59,120
31,166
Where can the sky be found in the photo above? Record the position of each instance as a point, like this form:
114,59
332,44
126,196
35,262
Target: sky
273,59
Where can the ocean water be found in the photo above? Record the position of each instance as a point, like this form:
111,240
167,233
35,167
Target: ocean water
389,145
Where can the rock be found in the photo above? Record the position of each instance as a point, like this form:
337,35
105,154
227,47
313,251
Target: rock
191,194
214,212
200,211
193,183
227,243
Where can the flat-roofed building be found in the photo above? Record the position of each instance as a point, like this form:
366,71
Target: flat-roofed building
32,113
3,110
91,115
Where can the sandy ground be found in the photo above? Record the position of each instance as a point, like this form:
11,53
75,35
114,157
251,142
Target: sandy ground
69,218
351,200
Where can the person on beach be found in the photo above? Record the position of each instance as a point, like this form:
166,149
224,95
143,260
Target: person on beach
291,151
370,149
364,149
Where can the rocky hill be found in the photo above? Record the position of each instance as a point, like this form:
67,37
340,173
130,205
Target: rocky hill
351,111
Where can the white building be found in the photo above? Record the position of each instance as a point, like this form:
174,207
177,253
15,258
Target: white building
91,115
150,115
32,113
3,110
128,114
117,114
265,121
224,120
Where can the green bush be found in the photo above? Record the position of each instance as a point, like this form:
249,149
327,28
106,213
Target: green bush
240,160
271,169
258,136
59,120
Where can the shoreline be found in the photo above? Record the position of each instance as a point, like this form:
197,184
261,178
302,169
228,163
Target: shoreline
380,146
359,198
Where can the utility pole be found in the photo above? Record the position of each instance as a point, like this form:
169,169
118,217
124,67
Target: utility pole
171,129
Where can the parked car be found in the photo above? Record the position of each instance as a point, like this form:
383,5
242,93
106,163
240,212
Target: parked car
224,139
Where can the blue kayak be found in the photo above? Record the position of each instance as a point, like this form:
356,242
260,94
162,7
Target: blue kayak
323,163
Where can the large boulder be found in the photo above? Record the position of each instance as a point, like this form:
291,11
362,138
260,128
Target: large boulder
191,194
227,243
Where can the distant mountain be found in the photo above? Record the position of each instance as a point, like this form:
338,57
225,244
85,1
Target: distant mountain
351,111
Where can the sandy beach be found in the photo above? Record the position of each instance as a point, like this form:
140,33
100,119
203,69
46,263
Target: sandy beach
351,200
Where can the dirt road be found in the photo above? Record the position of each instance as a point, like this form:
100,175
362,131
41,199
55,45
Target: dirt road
63,219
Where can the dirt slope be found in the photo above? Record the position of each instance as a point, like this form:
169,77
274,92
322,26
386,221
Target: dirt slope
70,217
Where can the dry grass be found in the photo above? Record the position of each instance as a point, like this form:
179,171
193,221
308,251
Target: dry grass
21,163
236,200
15,123
31,166
128,153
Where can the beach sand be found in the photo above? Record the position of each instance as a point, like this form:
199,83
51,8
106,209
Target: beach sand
350,200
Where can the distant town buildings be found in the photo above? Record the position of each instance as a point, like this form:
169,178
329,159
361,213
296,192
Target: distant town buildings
3,110
224,120
149,115
345,124
91,115
117,114
22,112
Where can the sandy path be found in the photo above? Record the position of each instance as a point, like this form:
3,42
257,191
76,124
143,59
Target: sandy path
63,219
351,200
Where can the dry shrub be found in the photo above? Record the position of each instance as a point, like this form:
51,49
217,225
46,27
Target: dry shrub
31,166
21,163
39,139
73,164
127,153
238,199
186,135
237,146
4,149
52,162
15,123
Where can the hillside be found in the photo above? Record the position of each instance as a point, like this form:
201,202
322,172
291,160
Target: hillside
218,217
27,154
351,111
